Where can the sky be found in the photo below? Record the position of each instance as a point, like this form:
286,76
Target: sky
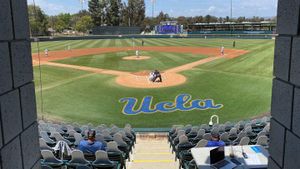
175,8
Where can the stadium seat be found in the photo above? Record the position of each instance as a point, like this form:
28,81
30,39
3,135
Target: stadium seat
115,154
102,161
78,137
193,132
47,139
199,136
201,143
50,160
107,136
207,136
44,145
263,141
225,137
58,137
77,159
244,141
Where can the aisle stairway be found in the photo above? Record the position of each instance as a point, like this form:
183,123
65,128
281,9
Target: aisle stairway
152,152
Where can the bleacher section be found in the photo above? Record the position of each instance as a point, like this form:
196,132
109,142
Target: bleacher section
66,138
116,30
183,138
121,141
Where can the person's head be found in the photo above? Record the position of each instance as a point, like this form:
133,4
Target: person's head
215,136
91,136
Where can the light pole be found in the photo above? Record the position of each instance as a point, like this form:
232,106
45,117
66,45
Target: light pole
231,19
153,5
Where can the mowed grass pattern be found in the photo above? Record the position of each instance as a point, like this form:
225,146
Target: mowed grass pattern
115,61
242,85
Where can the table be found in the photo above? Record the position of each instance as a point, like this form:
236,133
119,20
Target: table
257,156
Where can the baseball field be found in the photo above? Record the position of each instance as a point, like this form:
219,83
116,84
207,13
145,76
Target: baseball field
84,80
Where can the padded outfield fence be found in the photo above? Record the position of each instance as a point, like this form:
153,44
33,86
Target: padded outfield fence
207,36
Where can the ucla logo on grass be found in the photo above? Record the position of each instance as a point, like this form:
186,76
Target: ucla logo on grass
182,102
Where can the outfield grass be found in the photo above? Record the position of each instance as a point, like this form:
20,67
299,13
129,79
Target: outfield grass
242,84
114,61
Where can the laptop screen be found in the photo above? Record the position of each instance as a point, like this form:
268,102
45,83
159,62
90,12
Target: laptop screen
217,155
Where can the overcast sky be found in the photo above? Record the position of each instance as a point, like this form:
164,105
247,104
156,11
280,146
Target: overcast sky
248,8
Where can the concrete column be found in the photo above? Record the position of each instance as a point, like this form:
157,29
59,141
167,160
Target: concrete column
19,146
285,123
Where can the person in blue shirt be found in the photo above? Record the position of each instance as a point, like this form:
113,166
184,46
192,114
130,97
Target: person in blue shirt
90,146
215,141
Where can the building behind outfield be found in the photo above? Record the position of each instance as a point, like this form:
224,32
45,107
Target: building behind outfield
255,28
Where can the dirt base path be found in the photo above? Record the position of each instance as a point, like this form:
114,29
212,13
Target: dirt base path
171,77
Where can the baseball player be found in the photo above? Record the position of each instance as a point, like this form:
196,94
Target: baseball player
222,50
46,52
137,54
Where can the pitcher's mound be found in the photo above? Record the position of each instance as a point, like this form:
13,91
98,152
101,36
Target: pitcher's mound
136,58
141,80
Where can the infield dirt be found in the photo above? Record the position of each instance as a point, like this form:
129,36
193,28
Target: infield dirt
171,77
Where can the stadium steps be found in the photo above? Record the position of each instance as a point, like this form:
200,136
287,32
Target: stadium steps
152,152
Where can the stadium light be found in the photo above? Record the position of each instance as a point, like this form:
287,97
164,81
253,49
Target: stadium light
211,120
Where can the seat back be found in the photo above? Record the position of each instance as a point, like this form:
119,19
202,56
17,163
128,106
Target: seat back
118,138
78,137
183,139
207,136
215,130
71,133
262,140
224,137
222,128
48,156
78,157
101,155
45,136
244,141
201,143
43,145
233,131
200,133
113,147
99,137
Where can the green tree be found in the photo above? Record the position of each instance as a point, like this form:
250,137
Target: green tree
37,20
136,12
114,12
84,24
162,17
97,11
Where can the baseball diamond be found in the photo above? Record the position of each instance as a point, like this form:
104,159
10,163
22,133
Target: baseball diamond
95,74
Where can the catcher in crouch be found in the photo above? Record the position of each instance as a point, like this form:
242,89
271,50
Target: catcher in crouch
155,76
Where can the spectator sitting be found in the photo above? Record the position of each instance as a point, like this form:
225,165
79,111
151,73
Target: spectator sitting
90,146
215,141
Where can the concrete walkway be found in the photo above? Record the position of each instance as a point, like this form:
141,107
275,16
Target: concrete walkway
152,151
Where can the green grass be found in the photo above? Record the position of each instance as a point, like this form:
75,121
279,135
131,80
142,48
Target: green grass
114,61
242,84
95,99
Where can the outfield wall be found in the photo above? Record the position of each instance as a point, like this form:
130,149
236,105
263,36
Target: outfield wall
221,36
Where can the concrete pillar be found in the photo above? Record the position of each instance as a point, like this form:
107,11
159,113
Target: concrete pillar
19,146
285,123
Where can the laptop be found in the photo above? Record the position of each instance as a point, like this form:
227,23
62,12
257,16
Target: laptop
218,161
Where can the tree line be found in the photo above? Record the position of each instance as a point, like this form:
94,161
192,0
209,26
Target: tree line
115,13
